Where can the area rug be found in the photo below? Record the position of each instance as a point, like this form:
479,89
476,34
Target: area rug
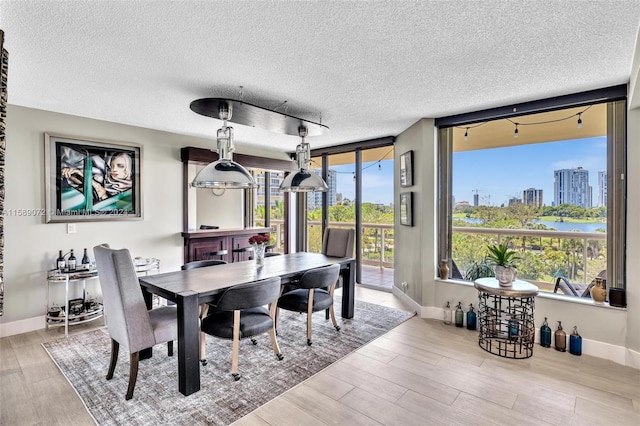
84,359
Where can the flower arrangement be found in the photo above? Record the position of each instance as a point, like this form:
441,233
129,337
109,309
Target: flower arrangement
259,239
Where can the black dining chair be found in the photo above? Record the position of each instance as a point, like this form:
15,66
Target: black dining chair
216,254
314,292
242,253
240,313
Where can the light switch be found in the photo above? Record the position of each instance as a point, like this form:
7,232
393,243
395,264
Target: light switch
71,228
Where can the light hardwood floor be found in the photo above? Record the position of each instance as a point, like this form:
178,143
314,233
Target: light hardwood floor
422,372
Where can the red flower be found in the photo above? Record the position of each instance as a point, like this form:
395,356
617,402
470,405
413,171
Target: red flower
259,239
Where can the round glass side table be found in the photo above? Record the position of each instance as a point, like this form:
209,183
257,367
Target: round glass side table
505,317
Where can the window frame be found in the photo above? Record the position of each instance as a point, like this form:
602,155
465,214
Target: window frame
616,99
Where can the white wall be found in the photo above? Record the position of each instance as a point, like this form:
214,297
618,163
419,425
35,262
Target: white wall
31,245
220,210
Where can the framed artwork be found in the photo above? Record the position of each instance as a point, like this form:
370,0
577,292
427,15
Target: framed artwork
406,169
111,193
406,208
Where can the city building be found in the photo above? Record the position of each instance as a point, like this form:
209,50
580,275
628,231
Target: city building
514,201
532,197
602,189
314,199
571,186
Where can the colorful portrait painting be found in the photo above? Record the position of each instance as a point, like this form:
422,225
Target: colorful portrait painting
92,180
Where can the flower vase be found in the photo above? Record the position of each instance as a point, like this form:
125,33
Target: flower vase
258,250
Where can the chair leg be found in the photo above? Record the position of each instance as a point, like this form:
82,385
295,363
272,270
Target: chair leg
133,374
309,316
333,318
236,344
170,348
331,310
272,332
204,309
115,346
276,321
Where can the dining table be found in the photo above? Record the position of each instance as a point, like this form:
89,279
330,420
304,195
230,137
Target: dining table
191,288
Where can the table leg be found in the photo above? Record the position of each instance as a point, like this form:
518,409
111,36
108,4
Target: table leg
188,344
148,297
348,289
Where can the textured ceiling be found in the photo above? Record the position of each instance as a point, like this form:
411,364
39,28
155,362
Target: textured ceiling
365,69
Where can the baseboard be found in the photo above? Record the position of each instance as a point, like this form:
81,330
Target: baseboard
617,354
22,326
409,302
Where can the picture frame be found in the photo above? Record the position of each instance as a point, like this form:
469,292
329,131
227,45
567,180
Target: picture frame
114,191
406,169
406,208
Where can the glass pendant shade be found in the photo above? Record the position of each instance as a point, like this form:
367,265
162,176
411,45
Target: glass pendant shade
303,180
223,174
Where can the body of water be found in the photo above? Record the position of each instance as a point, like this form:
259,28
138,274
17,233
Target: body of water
559,226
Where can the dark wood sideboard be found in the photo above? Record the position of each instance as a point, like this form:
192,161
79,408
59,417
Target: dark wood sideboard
197,244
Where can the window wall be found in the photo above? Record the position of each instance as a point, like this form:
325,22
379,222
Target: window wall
549,184
360,197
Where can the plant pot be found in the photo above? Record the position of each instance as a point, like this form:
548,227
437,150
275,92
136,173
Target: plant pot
505,275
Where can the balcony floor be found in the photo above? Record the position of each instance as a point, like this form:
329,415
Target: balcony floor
375,278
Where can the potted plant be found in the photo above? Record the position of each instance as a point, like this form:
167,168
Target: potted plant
503,259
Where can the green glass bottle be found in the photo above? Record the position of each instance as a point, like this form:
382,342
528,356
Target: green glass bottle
459,315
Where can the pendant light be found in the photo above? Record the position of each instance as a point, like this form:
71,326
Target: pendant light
224,173
303,180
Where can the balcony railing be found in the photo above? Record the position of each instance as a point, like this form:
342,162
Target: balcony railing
577,246
582,251
375,236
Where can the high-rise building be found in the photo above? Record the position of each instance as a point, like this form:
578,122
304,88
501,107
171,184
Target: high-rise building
532,197
602,189
276,195
314,199
571,186
514,201
476,199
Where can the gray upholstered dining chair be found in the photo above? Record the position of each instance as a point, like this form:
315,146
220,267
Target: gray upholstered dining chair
239,313
204,308
338,242
314,292
129,322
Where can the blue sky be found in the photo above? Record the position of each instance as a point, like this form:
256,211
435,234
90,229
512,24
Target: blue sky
502,173
498,174
377,183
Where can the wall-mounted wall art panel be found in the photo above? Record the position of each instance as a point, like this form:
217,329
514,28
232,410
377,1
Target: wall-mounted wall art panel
113,191
406,169
406,208
4,67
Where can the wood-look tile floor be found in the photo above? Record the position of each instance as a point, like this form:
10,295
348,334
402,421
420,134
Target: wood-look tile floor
422,372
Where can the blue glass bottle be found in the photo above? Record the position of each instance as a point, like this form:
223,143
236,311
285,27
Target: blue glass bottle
514,328
575,342
545,334
471,318
459,315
